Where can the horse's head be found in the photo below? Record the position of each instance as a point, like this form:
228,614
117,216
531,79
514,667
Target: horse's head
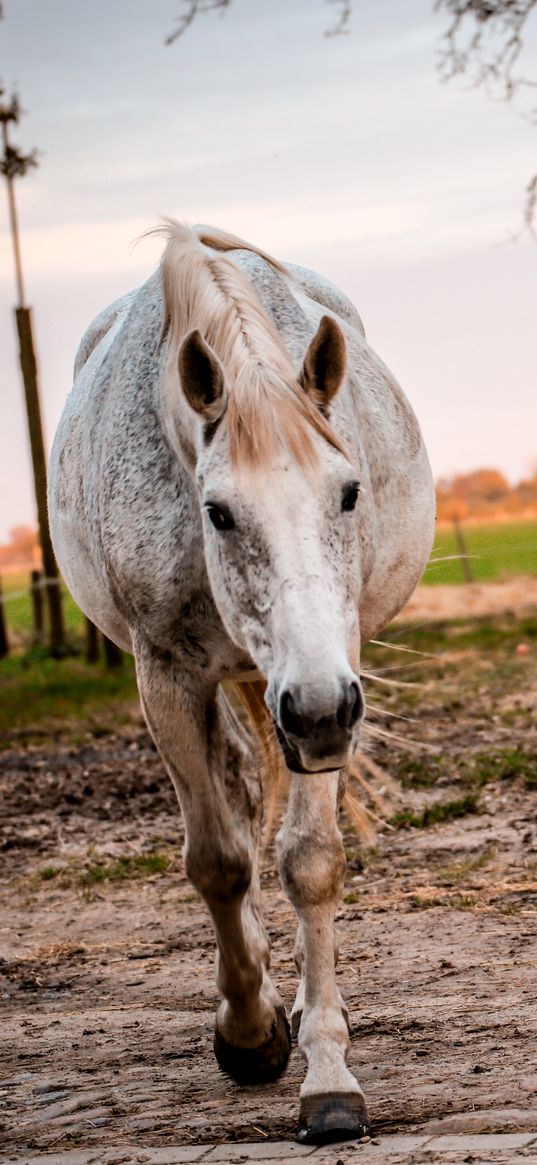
278,497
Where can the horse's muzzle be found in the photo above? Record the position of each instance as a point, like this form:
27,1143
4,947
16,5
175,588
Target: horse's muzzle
313,742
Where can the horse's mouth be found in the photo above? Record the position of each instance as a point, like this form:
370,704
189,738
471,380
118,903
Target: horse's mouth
294,763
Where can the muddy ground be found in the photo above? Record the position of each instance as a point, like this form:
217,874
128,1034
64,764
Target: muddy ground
106,969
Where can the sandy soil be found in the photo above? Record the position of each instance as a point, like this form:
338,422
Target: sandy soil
107,987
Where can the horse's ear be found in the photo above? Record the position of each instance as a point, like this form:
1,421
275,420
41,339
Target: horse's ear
325,363
202,377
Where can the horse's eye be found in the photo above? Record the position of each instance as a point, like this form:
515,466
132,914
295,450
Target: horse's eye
350,496
221,519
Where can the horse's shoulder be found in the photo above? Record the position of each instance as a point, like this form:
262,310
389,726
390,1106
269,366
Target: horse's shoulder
320,289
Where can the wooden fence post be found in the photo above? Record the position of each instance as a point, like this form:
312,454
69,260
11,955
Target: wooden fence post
112,653
463,551
4,645
37,606
37,445
92,642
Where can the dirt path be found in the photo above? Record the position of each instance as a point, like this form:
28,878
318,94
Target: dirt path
106,975
444,601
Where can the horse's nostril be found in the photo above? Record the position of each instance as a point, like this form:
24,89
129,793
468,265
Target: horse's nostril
289,719
300,725
351,707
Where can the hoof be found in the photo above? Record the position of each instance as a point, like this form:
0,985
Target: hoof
333,1116
256,1065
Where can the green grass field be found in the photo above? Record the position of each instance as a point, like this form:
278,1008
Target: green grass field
35,689
497,551
18,610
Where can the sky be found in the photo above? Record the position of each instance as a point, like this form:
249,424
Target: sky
346,154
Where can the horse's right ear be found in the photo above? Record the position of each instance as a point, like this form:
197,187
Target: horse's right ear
202,377
325,364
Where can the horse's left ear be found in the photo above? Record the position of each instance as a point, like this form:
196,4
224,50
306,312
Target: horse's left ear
325,363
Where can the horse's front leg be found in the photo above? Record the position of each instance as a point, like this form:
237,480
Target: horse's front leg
207,754
312,867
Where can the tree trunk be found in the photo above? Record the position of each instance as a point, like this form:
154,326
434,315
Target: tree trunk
37,606
31,392
4,645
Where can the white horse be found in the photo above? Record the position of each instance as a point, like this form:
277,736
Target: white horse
239,491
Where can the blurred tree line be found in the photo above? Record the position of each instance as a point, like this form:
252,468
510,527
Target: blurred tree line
483,493
486,494
22,549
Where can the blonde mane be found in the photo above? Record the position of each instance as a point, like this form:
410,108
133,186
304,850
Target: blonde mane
267,409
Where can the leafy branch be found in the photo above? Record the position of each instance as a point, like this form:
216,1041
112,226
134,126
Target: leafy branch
13,163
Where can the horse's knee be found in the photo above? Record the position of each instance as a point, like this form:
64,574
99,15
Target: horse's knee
218,876
312,868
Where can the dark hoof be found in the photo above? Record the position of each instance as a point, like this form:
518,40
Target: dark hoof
256,1065
333,1116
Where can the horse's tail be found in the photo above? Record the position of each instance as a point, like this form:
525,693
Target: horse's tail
251,695
224,241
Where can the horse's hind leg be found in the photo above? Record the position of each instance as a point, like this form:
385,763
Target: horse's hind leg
312,866
207,754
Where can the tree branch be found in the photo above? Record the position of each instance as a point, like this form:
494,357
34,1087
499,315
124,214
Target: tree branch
14,164
194,8
341,27
484,41
530,207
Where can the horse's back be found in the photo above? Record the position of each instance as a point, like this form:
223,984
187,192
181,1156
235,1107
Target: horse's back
324,292
100,328
81,454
